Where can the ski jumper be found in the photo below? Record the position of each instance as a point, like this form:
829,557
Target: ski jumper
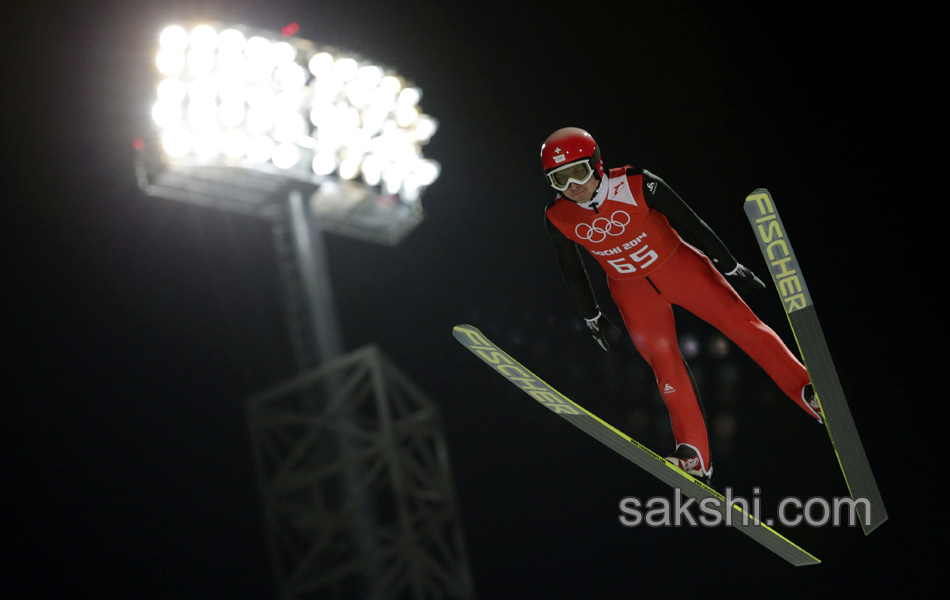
628,227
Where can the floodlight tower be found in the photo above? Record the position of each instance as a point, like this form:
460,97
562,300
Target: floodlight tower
351,461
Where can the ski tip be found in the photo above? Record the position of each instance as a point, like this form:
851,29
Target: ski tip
467,333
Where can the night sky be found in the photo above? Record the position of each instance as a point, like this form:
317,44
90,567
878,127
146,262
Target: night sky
135,327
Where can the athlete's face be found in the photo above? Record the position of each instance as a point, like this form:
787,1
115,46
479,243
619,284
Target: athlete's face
581,192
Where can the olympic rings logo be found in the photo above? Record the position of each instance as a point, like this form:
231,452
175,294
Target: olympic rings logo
601,227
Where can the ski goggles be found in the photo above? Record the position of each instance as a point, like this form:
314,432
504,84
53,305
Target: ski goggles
578,172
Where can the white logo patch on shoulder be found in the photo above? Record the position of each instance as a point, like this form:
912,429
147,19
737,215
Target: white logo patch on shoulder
619,191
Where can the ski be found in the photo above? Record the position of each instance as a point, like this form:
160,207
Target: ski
632,450
787,276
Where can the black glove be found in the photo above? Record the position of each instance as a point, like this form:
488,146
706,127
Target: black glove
743,279
600,327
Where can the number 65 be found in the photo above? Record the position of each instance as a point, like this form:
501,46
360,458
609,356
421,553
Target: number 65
643,257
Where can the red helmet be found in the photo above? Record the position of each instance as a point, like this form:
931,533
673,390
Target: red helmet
570,145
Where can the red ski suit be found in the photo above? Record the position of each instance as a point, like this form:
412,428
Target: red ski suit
650,268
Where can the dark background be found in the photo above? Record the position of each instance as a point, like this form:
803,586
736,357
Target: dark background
135,327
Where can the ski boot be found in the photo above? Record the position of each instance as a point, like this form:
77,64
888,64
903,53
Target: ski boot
808,395
686,460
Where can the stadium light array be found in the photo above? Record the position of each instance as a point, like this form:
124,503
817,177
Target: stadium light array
231,97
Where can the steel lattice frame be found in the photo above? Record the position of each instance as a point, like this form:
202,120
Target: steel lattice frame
356,485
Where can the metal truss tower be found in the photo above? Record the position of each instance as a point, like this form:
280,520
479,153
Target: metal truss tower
352,464
360,486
